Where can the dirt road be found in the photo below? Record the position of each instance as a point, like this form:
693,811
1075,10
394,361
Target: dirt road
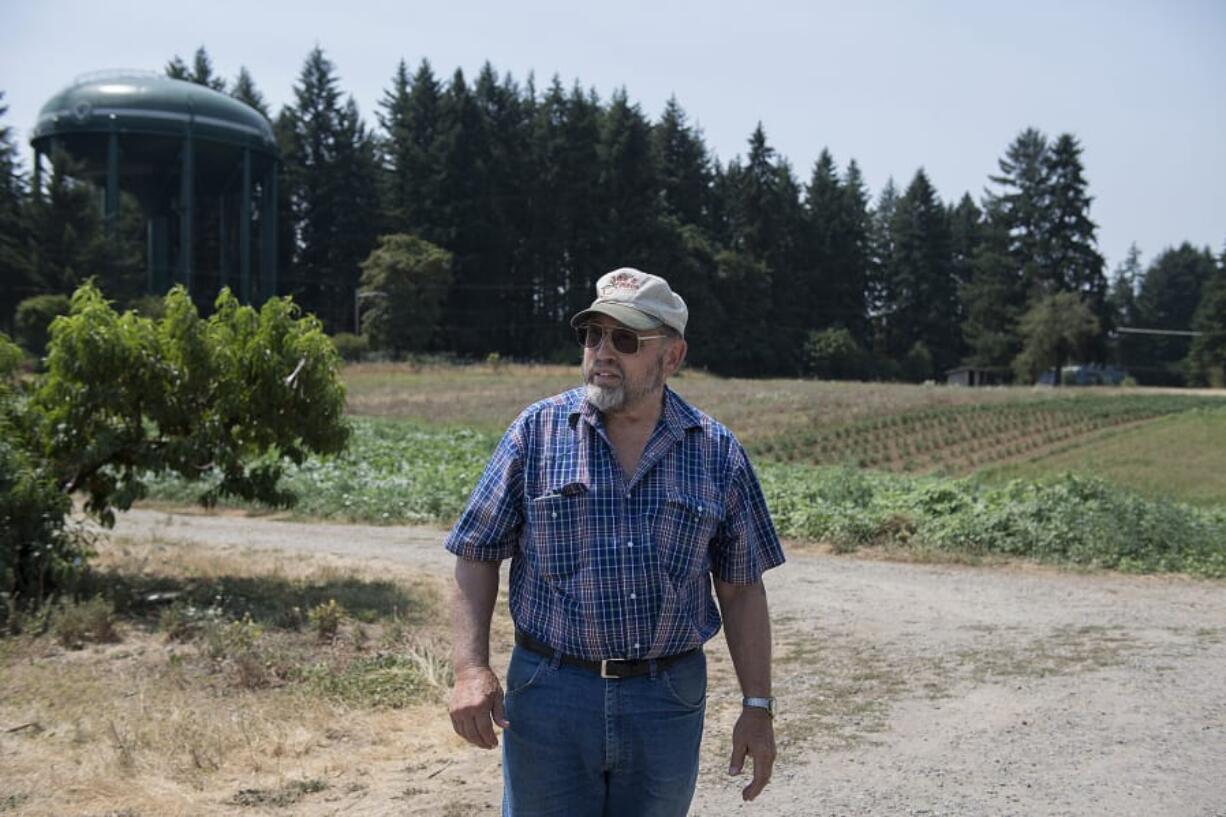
924,690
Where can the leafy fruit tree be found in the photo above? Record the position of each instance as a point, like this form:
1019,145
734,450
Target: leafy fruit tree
1054,329
410,276
223,400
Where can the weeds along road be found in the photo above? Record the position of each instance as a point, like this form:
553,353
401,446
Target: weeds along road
920,689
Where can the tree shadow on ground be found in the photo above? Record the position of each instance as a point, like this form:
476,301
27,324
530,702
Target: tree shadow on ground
269,600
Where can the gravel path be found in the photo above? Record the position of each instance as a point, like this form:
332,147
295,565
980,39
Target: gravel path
927,690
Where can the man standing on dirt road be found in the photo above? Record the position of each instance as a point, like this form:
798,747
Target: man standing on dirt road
619,505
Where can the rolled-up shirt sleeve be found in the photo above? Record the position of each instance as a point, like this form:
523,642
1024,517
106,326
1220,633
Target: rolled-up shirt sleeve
746,544
489,528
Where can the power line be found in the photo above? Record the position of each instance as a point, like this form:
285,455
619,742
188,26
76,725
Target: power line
1129,330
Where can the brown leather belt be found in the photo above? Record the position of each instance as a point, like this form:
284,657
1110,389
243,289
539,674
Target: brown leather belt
609,667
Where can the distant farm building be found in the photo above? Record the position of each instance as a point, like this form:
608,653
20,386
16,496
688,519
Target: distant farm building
977,376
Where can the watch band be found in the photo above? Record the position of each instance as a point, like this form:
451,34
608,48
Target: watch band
760,703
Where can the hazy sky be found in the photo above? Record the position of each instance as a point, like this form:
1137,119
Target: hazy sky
894,85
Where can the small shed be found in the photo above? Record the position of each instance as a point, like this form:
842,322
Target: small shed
977,376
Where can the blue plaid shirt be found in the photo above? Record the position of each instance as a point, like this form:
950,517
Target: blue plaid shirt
605,568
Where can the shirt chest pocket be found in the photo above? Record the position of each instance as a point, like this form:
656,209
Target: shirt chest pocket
558,530
684,526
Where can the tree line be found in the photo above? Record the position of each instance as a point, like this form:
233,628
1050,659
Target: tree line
480,212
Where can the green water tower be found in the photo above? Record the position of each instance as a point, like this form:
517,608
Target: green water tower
187,153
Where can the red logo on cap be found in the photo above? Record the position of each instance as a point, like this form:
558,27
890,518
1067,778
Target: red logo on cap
622,280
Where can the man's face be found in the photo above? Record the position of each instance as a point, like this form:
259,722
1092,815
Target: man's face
615,380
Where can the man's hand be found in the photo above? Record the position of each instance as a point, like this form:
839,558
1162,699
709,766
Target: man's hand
476,704
753,735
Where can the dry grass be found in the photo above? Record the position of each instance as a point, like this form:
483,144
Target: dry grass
488,397
155,726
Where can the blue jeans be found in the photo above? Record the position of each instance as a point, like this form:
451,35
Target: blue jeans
582,746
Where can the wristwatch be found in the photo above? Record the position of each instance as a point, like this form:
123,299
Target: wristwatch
760,703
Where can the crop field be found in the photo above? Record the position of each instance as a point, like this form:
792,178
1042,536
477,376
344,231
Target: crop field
918,471
960,439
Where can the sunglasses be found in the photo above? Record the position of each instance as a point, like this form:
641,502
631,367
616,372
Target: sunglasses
625,341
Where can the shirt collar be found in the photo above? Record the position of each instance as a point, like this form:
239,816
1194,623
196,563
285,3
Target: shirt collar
678,415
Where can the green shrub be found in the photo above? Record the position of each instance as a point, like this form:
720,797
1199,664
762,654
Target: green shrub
352,348
833,354
33,320
75,624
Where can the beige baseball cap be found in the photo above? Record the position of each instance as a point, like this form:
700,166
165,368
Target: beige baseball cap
638,299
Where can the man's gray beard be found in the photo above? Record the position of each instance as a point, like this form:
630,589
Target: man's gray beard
607,399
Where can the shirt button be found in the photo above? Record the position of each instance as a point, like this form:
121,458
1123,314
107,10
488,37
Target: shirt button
555,514
633,596
636,645
630,544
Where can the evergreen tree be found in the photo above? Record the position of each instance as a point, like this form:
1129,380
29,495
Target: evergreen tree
15,283
65,223
628,188
1075,264
410,121
1168,299
331,171
684,167
765,220
506,116
855,250
820,244
1206,362
966,234
881,251
993,299
244,91
1122,303
1022,209
921,301
200,72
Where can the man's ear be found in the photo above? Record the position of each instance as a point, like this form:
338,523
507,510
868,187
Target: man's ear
675,355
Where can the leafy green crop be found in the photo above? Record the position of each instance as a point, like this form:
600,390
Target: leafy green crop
392,472
397,472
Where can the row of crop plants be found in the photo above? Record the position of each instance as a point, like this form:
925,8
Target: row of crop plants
957,439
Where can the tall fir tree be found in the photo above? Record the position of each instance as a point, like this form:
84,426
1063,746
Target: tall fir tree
463,215
15,273
855,250
684,165
409,117
993,298
1074,263
506,113
245,91
1022,208
819,244
921,289
200,71
628,188
1206,363
1122,304
1168,299
331,176
880,253
765,220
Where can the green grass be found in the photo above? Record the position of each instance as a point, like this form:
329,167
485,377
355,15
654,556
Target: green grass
1179,457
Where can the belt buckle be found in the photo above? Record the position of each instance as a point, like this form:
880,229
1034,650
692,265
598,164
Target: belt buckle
604,667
